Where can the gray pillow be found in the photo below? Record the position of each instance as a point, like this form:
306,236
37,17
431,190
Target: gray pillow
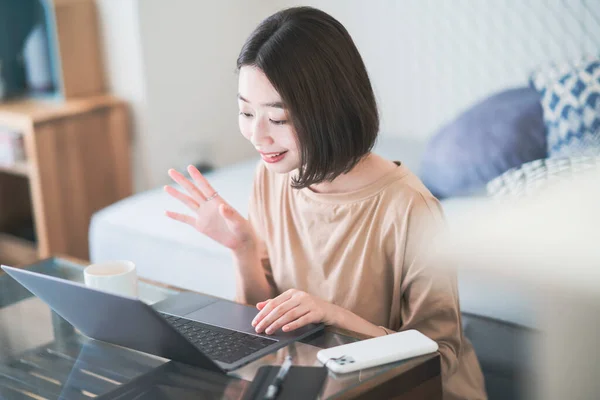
501,132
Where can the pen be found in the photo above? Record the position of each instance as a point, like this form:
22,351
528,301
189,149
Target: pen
275,386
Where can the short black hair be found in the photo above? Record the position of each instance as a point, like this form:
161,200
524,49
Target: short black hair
312,62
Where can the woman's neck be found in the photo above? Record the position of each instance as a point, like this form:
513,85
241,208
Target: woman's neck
367,171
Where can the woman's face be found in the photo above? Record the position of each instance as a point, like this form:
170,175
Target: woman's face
264,121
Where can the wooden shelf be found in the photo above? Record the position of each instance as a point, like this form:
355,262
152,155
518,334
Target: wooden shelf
20,169
25,110
76,144
77,162
17,251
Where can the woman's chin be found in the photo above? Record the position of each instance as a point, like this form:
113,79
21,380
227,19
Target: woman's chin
280,167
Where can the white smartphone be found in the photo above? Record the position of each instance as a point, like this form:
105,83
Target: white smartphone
376,351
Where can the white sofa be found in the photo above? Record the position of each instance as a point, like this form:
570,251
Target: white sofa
167,251
497,315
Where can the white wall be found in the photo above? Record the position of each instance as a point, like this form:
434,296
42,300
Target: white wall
428,60
190,49
174,62
124,66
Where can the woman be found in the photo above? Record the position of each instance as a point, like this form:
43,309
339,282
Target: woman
336,234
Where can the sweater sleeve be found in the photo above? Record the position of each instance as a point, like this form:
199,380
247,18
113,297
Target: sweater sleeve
427,293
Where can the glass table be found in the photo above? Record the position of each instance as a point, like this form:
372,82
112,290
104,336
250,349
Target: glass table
43,357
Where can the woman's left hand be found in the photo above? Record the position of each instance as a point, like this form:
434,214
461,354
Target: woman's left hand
292,310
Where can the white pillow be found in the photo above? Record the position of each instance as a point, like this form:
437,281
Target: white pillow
533,176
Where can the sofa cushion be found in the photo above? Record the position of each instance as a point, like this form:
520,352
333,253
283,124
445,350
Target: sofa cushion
503,131
165,250
168,251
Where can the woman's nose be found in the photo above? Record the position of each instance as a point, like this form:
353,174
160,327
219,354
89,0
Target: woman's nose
260,134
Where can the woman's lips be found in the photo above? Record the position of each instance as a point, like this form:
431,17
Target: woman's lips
272,158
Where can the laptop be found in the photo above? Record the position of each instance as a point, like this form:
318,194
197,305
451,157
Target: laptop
200,330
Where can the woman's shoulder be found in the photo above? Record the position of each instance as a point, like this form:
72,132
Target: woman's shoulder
408,194
410,212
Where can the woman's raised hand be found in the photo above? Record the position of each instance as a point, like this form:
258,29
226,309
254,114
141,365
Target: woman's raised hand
210,214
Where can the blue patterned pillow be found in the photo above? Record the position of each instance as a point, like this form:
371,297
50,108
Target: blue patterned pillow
546,75
571,107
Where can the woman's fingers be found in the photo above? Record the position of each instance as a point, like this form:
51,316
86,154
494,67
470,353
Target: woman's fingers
187,185
185,199
233,219
290,316
261,304
275,314
300,322
186,219
205,187
271,305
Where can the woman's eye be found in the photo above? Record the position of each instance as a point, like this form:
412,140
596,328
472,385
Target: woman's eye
278,122
245,114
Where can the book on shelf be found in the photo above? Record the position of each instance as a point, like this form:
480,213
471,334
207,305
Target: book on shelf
12,149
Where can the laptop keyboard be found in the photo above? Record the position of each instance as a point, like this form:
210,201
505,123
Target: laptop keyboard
219,344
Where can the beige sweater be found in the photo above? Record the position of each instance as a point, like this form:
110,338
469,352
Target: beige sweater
366,251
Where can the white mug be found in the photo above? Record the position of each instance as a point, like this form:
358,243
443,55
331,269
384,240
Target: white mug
118,277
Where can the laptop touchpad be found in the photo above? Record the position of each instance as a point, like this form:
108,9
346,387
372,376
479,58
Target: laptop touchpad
184,303
227,315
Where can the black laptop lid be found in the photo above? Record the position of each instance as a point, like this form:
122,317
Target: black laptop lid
124,321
